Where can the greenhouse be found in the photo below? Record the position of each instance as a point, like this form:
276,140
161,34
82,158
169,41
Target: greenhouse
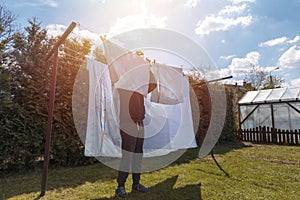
274,110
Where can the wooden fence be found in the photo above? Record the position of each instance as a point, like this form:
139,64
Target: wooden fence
270,135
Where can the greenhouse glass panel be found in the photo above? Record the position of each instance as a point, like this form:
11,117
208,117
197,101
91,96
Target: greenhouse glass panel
248,97
276,94
248,124
262,96
245,110
291,94
282,116
295,116
262,116
296,105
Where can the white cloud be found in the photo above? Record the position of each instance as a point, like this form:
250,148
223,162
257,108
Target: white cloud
279,41
132,22
295,82
219,23
233,9
124,24
227,57
239,66
50,3
242,1
98,1
295,40
58,29
224,72
274,42
55,29
290,58
191,3
86,34
228,17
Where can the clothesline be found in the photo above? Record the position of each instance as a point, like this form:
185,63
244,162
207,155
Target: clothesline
70,49
100,44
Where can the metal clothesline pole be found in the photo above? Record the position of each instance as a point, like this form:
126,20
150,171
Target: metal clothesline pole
54,51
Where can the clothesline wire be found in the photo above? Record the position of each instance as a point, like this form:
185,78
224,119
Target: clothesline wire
84,28
66,47
77,64
70,49
80,36
84,48
89,49
80,26
77,52
74,59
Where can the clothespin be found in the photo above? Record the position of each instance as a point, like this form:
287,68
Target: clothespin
148,60
139,53
103,38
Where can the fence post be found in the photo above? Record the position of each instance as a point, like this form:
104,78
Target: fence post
263,132
297,135
287,137
279,134
268,134
275,136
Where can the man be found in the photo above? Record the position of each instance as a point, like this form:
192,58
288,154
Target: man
132,113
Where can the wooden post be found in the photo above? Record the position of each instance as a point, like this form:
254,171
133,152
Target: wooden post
297,137
240,134
51,105
273,120
50,120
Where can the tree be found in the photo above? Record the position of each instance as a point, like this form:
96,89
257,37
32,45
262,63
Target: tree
273,82
7,29
260,78
26,105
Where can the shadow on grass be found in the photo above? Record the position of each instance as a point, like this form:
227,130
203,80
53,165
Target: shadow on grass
166,190
21,183
220,148
72,177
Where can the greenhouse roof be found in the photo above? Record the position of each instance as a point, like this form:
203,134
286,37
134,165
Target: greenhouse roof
271,95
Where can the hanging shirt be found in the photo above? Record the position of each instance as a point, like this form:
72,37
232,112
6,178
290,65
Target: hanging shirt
169,82
128,71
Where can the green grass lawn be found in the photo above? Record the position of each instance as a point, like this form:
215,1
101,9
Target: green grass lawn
255,172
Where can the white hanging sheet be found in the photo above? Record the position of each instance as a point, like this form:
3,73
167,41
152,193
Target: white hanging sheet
128,70
169,82
103,134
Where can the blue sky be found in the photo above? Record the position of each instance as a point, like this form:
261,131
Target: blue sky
235,33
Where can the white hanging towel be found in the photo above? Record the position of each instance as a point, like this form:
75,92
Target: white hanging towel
128,71
103,134
170,126
169,82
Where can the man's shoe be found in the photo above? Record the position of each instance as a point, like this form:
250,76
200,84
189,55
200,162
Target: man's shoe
121,192
140,188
